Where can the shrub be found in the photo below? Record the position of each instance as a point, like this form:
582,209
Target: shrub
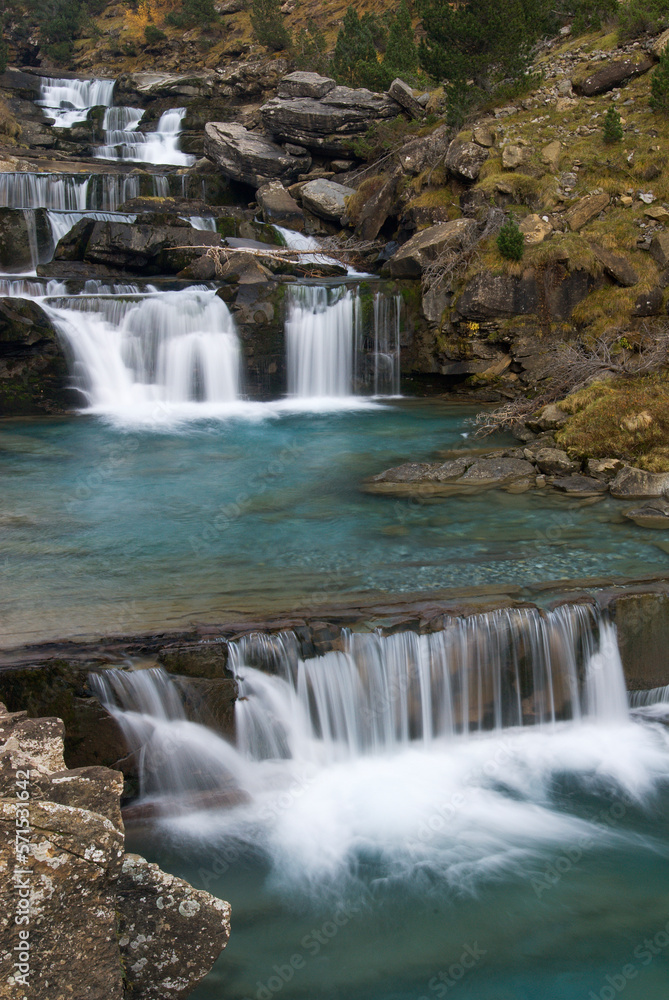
4,54
659,85
153,35
613,130
268,26
355,61
309,49
510,240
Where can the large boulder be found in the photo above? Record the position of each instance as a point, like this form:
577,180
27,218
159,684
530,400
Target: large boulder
33,367
326,199
631,483
586,209
617,268
137,248
403,94
250,158
327,125
613,74
423,248
277,206
489,295
465,159
301,84
131,930
25,238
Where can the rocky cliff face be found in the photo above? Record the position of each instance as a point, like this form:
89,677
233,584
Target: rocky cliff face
82,917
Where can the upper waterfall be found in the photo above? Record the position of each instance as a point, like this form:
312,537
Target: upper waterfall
140,357
125,142
69,101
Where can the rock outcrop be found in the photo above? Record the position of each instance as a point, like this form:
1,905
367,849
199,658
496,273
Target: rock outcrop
33,367
130,930
250,158
326,125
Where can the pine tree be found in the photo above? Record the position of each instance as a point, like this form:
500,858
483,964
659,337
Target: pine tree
613,130
401,55
659,85
355,61
510,240
268,26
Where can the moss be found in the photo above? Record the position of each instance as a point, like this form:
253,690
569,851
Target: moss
622,418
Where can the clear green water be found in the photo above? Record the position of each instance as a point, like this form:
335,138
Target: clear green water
115,530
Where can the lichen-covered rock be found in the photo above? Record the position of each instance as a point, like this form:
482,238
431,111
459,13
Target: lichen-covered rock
301,84
326,199
555,462
250,158
423,248
68,874
616,72
586,209
465,159
170,934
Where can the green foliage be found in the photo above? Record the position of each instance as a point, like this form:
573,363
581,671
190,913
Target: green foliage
153,35
589,15
355,62
640,17
309,49
268,26
510,240
193,14
4,53
401,55
659,85
613,130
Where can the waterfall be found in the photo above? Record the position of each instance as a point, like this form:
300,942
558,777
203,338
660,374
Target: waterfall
511,669
68,192
124,142
206,223
320,339
386,354
69,101
164,349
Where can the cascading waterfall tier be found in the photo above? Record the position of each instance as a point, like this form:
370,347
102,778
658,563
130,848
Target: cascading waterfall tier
163,349
329,352
381,695
68,102
126,143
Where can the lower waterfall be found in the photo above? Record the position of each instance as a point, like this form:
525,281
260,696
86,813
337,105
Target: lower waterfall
134,357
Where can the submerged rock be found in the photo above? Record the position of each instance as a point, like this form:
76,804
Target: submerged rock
654,514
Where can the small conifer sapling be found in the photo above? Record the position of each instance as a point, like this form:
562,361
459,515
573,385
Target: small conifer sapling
510,240
613,129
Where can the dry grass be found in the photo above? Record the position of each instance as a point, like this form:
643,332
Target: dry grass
10,129
623,418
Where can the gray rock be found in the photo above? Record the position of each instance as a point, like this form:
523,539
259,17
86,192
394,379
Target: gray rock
326,199
278,207
616,267
250,158
465,159
631,483
483,136
586,209
582,486
550,418
513,157
326,125
498,471
659,248
33,369
605,469
402,93
654,514
301,84
648,303
15,237
555,462
170,933
411,258
613,74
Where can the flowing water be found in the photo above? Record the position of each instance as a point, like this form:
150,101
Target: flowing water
473,812
386,834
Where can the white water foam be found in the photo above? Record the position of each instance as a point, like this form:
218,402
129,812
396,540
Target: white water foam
69,101
126,143
328,776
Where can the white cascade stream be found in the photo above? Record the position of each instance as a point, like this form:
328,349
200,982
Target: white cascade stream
136,356
68,102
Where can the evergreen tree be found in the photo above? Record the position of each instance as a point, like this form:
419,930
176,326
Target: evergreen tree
483,40
309,49
659,85
354,61
510,240
401,55
268,26
613,130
